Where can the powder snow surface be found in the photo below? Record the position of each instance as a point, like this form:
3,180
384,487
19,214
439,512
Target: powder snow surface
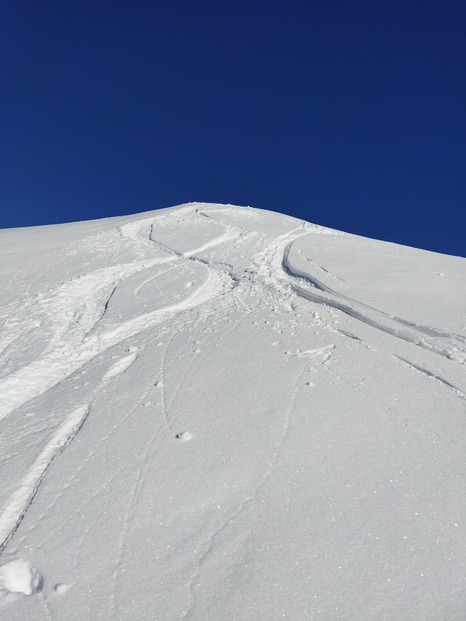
212,412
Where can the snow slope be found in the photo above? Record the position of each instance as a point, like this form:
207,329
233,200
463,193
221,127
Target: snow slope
214,412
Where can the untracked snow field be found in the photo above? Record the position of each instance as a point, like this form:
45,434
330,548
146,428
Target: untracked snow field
212,412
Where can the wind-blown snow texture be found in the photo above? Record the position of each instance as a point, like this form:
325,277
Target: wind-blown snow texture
213,412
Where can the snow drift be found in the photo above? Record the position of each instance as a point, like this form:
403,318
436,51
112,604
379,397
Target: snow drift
214,412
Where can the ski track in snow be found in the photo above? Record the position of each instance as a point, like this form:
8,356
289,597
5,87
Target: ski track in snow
101,446
432,376
129,516
164,367
118,368
12,514
188,373
451,346
167,408
72,343
271,264
75,341
137,290
211,543
144,459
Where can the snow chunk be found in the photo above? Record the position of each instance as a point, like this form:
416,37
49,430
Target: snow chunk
20,577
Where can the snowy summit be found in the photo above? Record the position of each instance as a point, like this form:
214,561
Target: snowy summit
213,412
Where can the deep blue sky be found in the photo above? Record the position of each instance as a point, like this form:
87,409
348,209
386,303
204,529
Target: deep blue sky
349,114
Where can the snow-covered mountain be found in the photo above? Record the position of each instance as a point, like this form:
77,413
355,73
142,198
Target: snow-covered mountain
212,412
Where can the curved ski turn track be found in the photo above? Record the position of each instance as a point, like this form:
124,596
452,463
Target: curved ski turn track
217,412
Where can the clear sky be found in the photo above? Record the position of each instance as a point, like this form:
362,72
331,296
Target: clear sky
349,114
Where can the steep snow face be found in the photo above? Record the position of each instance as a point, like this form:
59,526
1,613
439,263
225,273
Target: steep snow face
213,412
